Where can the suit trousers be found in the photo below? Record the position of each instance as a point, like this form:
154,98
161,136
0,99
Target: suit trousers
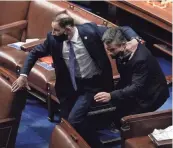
75,109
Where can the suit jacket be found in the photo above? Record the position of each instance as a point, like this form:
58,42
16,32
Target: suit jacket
143,85
91,35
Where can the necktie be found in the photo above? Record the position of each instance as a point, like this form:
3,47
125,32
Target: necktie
72,64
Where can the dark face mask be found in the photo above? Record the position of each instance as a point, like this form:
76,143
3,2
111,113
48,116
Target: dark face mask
117,55
123,56
62,37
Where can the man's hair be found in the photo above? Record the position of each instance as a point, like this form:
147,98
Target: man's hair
114,35
64,20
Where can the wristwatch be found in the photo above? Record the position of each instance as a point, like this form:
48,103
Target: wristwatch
139,39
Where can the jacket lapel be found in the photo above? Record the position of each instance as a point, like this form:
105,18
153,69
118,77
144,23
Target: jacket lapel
85,37
89,39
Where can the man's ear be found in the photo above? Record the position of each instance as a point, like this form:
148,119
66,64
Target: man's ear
124,46
68,28
105,45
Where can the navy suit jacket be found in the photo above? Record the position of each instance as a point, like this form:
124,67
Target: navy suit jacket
91,35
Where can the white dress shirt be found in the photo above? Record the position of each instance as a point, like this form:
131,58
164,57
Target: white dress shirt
86,67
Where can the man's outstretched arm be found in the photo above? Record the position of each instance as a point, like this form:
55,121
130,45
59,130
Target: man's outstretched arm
38,52
128,32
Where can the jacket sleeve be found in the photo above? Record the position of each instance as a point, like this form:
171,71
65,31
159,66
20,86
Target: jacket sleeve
101,30
139,78
129,33
36,53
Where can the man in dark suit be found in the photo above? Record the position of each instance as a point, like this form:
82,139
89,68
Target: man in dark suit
142,86
81,65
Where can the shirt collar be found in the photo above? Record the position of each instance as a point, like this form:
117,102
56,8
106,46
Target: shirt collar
131,55
75,36
133,52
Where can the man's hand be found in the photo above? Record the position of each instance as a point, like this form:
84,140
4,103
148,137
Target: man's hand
102,97
132,45
20,83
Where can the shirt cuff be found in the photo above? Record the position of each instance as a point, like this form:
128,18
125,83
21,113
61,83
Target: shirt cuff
23,75
139,39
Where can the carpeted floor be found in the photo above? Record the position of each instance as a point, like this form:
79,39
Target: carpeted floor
35,130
